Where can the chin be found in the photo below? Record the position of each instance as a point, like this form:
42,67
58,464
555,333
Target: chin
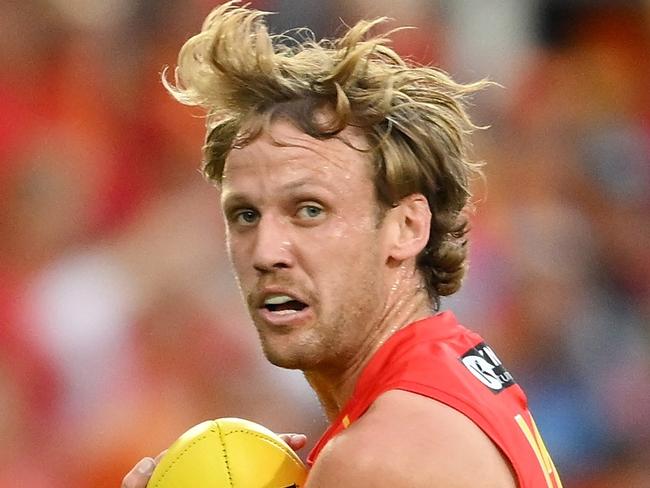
284,358
284,362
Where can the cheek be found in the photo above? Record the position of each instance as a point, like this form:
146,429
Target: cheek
347,259
237,257
228,242
359,227
231,247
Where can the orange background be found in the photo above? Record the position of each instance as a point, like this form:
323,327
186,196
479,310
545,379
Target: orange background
120,325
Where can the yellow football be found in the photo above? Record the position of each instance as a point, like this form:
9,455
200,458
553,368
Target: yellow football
229,453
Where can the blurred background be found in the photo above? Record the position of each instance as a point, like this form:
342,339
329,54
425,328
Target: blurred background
120,325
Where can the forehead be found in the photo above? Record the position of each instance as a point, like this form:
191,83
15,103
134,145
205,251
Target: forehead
284,155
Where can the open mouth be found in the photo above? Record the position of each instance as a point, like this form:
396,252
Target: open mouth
283,304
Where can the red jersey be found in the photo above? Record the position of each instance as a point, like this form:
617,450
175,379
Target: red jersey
440,359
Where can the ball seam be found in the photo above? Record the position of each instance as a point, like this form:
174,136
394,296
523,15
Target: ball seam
281,445
180,455
225,453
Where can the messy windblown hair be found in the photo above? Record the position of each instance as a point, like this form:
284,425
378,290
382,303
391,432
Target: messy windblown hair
413,117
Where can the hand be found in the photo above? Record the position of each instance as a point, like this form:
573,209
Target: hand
295,441
141,472
139,476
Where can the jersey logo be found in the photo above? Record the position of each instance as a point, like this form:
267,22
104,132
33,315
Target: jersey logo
486,367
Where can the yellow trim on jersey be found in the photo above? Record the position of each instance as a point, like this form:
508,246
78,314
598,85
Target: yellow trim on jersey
535,440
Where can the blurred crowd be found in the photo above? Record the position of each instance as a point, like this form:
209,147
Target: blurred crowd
120,325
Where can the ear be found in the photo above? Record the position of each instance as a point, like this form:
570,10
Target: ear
410,222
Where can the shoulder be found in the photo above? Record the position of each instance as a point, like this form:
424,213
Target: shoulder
407,440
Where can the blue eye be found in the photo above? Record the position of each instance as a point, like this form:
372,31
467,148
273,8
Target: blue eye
246,217
310,212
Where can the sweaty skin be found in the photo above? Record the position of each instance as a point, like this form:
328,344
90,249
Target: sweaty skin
302,220
304,229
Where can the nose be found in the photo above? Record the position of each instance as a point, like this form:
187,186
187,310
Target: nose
273,248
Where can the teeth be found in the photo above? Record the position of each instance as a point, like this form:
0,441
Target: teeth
284,312
277,299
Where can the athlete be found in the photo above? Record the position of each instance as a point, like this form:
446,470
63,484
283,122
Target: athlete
344,181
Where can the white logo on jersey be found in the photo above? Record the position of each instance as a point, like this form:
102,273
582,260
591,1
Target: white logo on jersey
486,367
483,371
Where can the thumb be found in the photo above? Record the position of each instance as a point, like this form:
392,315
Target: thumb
140,474
295,441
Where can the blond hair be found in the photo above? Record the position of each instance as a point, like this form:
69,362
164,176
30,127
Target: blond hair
414,117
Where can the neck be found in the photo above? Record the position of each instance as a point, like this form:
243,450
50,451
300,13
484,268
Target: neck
335,385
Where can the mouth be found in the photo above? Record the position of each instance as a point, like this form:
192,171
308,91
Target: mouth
283,304
284,309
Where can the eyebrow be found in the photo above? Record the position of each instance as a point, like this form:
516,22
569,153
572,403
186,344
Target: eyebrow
232,200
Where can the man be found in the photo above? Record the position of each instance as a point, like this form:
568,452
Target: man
344,176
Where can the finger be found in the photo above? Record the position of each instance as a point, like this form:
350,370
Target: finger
159,457
295,441
140,474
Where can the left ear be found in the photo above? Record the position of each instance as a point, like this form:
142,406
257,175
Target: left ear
411,221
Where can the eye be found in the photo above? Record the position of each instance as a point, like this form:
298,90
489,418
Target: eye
245,217
310,211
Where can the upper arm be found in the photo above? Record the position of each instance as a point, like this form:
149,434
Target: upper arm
406,440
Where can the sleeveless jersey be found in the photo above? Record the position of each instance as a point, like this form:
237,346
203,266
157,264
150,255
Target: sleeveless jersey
440,359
